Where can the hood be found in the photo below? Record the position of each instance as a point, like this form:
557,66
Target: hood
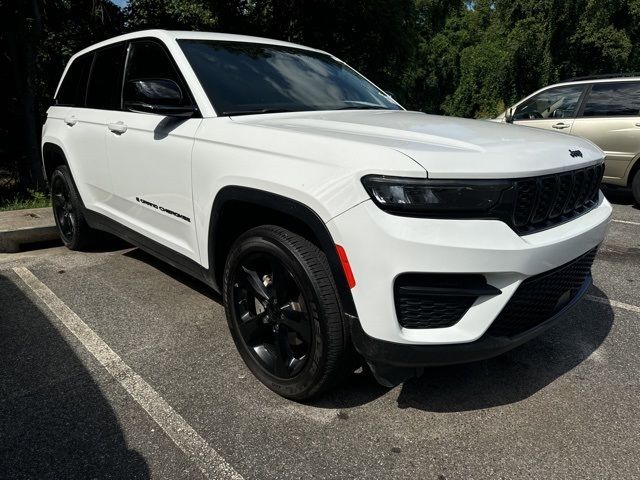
446,147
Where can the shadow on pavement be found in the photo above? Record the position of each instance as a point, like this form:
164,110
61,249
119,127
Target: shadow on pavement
54,419
178,275
508,378
518,374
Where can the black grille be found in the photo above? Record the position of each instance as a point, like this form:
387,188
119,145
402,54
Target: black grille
543,202
539,298
437,300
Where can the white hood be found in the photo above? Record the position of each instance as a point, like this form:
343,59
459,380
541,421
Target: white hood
446,147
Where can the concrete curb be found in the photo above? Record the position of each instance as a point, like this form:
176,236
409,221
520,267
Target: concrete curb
18,227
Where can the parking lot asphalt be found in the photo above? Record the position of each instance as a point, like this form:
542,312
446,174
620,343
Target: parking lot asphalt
114,365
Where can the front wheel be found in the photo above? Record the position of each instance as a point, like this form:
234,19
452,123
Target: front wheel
283,312
635,187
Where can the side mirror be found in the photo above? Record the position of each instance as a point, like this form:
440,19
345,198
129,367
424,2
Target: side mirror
508,116
156,95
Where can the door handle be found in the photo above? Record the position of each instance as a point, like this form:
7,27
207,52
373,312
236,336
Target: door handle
70,120
118,127
560,126
638,124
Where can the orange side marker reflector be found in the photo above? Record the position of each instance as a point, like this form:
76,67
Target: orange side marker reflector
348,273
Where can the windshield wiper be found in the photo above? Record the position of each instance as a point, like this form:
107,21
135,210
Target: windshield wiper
362,107
255,112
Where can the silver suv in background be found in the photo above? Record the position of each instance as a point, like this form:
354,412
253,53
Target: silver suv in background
605,110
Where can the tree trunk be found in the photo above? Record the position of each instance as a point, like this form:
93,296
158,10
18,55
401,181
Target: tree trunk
23,43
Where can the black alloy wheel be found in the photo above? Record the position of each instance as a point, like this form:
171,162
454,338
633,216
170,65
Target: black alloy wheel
67,211
283,312
273,318
63,208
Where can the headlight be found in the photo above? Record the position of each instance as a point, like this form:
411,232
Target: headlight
437,198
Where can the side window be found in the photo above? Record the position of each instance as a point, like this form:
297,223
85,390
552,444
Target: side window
613,100
149,60
74,85
559,102
105,85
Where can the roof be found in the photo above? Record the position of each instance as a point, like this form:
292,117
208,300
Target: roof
606,76
596,79
172,35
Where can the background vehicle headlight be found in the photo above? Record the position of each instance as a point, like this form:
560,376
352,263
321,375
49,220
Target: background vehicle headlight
438,198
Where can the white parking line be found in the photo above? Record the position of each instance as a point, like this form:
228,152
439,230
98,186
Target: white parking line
626,222
613,303
183,435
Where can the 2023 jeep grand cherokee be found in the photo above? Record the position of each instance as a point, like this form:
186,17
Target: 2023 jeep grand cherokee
327,215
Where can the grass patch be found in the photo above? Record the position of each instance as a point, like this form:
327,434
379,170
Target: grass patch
32,199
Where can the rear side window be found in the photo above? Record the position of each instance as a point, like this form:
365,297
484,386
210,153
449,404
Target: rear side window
613,100
149,60
105,85
74,85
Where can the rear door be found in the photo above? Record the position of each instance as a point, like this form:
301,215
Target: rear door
551,109
150,159
89,156
610,118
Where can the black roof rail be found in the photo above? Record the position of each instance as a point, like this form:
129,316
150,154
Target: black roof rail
603,76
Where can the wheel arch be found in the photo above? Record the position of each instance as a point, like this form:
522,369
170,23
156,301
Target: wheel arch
236,209
52,156
633,169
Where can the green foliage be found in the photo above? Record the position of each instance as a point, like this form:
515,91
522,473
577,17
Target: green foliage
170,14
453,57
488,54
37,37
30,199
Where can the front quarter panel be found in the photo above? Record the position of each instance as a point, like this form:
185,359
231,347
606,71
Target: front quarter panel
322,174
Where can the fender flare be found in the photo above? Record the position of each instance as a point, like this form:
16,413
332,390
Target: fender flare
51,147
289,207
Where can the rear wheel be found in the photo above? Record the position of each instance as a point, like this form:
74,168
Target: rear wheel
67,211
283,312
635,187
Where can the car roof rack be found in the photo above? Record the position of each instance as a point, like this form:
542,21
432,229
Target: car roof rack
604,76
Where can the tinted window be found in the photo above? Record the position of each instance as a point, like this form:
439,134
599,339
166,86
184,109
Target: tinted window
74,84
105,85
247,78
613,100
559,102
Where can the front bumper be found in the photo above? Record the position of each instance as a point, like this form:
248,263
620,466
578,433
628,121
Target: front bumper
416,356
381,246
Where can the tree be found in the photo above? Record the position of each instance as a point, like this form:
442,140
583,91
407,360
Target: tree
170,14
38,37
457,57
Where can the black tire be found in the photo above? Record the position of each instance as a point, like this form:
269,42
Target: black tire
635,187
67,211
296,344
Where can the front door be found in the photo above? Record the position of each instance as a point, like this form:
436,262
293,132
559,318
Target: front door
551,109
150,160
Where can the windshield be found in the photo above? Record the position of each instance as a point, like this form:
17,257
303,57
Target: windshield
249,78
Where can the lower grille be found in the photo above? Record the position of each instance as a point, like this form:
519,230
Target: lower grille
437,300
431,312
539,298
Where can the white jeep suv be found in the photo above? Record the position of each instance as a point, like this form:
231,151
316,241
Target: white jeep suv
327,216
